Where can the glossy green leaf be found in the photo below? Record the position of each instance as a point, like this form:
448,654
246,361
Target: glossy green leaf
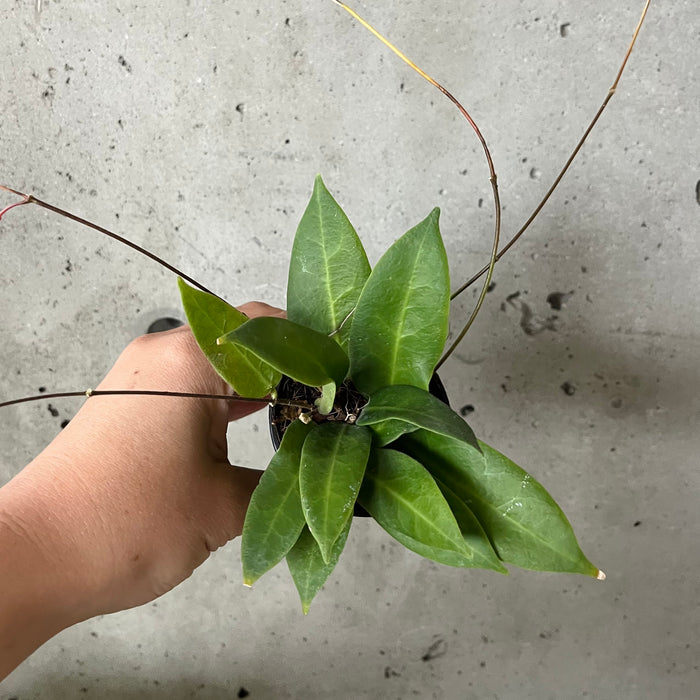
525,525
328,267
483,555
325,402
275,518
405,500
305,355
333,463
395,410
209,318
399,327
307,567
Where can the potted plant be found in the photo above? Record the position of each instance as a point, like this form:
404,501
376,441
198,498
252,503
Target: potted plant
351,369
362,346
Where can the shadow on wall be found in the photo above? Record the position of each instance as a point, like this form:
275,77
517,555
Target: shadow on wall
556,344
139,688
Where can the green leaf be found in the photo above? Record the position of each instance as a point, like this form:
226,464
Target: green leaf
307,567
395,410
399,327
274,518
525,525
305,355
475,539
333,463
405,500
209,318
325,402
328,267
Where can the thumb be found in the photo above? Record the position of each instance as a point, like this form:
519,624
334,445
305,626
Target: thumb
225,520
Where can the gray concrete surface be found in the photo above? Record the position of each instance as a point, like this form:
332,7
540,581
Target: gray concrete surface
196,129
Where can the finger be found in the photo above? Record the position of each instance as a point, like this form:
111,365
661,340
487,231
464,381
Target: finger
241,409
234,488
253,309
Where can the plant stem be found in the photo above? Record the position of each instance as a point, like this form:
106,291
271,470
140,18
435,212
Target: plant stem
181,394
16,204
31,199
570,160
489,160
342,323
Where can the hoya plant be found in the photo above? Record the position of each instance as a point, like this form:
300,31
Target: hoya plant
361,427
359,414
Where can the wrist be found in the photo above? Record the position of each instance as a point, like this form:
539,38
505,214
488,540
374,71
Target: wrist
40,598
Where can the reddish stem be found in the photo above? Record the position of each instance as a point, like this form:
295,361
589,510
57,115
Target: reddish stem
12,206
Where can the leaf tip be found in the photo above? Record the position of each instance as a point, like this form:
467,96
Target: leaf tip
327,554
600,576
249,577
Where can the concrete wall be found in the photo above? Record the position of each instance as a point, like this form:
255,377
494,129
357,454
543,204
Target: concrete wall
195,129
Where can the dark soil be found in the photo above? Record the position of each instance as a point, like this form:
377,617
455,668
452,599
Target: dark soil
348,404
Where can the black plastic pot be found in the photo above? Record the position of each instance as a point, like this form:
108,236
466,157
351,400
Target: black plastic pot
288,388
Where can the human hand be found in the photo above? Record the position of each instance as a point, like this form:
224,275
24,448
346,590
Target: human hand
137,490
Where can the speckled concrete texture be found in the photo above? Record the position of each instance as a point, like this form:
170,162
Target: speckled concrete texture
196,129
